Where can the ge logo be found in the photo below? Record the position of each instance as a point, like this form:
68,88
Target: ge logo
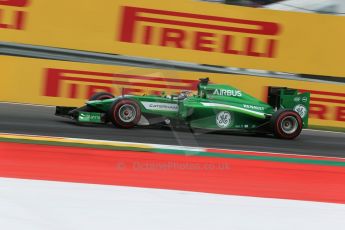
301,110
223,119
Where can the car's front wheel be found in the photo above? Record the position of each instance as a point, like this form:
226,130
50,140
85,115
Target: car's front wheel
286,124
125,113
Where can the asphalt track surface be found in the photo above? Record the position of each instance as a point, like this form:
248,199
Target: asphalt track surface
39,120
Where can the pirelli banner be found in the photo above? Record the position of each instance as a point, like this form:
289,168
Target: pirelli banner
197,32
37,81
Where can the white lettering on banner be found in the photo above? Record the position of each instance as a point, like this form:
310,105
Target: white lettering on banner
227,92
160,106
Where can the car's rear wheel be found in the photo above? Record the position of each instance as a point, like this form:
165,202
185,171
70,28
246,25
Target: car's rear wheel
286,124
101,96
125,113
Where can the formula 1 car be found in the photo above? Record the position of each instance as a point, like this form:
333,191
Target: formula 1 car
214,107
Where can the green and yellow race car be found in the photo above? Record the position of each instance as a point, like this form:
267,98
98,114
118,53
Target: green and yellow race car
213,107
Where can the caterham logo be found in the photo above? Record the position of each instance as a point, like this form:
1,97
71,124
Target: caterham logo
160,106
223,119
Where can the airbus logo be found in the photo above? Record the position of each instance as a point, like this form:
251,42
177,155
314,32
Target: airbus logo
228,92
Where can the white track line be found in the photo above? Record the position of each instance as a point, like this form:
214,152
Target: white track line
67,205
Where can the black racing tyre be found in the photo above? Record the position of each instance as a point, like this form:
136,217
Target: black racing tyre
286,124
125,113
101,96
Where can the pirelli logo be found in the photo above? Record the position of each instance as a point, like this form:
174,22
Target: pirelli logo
12,14
82,84
226,35
325,105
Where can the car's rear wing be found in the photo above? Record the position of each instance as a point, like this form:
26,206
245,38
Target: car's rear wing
286,98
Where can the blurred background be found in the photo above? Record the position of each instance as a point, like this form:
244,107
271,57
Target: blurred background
313,6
